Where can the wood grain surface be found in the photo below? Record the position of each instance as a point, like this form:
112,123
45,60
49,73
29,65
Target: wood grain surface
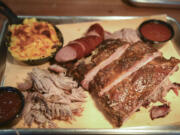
85,8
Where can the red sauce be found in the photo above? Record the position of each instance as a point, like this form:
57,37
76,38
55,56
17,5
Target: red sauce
10,103
156,31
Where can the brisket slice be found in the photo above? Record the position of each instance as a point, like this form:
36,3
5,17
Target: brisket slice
136,56
85,69
125,98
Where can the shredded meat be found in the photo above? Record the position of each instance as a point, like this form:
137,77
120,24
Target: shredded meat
159,111
51,97
126,34
56,68
27,84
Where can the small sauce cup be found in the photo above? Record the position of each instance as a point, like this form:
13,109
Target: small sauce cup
155,32
11,105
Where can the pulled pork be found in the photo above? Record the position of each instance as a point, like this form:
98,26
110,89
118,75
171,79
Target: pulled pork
50,97
159,111
125,34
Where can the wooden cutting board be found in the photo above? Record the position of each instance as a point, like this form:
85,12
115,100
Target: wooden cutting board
92,117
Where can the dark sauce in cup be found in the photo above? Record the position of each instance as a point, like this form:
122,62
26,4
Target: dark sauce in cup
11,104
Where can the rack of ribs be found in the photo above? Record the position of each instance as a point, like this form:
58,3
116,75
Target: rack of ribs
123,77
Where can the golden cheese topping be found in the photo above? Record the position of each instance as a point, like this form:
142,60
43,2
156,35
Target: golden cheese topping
33,40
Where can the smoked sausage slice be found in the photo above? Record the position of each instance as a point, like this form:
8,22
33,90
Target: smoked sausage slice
83,46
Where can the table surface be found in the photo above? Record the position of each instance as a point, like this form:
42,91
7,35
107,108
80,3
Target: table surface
85,8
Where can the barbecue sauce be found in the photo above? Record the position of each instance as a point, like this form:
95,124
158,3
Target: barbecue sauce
10,104
156,31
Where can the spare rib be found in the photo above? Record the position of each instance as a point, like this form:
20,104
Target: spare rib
125,98
135,57
85,69
90,75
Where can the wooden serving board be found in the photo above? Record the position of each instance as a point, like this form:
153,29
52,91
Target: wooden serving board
92,117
